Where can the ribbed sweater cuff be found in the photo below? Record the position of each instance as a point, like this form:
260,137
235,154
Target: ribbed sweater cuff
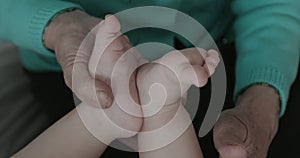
269,75
40,20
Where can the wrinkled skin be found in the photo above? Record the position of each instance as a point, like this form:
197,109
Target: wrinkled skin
247,130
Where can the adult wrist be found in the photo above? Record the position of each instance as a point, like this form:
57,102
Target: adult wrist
262,94
58,26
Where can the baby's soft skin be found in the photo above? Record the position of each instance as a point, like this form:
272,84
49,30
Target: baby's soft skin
176,72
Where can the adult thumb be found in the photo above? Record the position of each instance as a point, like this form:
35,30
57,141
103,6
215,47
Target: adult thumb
230,134
108,31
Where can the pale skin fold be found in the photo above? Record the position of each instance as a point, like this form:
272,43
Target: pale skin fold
70,137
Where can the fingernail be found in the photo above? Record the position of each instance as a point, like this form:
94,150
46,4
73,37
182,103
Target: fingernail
108,15
103,99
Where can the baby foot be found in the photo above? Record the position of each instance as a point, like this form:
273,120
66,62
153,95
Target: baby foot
176,72
163,84
165,119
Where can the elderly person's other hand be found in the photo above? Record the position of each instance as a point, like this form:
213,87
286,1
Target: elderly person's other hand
248,129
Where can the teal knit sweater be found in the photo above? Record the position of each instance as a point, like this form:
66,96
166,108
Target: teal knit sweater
266,32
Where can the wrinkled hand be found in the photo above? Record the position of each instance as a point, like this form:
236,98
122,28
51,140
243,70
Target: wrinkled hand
247,130
116,61
64,35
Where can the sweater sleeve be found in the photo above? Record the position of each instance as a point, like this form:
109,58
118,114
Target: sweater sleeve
22,22
267,43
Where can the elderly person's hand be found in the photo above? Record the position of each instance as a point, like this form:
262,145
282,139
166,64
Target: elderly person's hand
64,36
248,129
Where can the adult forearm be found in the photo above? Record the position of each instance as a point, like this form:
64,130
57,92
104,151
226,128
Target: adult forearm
267,43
